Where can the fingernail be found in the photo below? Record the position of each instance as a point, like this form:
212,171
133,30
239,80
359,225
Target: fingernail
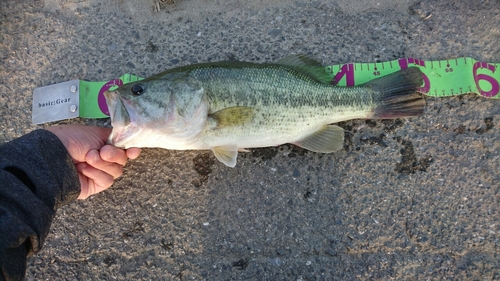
112,152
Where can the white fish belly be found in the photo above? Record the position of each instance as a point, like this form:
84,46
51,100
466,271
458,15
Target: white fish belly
284,126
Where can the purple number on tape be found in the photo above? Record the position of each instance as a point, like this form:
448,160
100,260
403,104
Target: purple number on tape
346,70
101,100
403,64
495,87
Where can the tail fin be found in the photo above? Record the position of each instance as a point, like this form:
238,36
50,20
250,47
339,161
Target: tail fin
396,94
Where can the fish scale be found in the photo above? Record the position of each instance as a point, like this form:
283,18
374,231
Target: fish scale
258,86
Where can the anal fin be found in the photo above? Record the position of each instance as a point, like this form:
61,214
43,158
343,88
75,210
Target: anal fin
328,139
226,154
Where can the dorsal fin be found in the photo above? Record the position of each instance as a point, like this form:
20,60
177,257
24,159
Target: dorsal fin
308,66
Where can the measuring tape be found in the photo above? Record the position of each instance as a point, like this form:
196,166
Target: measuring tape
443,78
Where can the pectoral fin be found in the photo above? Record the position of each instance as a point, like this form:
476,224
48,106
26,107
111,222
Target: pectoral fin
232,116
329,138
226,154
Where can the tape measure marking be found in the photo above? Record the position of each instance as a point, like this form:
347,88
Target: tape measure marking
495,87
101,100
441,78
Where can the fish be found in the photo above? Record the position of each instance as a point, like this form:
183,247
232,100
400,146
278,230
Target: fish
231,106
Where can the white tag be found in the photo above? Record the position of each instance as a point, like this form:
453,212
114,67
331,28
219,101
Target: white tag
56,102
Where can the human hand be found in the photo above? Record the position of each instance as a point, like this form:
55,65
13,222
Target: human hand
98,164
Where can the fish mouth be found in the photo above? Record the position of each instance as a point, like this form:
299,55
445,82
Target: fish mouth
123,128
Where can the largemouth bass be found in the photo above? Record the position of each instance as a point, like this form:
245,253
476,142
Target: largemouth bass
230,106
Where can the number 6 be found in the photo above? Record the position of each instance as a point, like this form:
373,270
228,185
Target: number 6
495,87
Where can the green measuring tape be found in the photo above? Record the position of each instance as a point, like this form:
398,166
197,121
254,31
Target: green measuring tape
443,78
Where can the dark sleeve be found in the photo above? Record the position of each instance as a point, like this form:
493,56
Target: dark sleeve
37,176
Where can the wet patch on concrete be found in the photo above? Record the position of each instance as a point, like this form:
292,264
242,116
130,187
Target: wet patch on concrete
166,245
409,163
488,121
460,129
374,140
349,131
392,124
241,264
136,228
307,194
110,260
268,153
151,47
371,123
296,151
265,154
203,166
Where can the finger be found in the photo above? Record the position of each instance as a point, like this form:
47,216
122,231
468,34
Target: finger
93,180
99,177
133,152
110,153
94,159
86,185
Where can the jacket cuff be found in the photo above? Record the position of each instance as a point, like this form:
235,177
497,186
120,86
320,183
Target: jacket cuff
48,169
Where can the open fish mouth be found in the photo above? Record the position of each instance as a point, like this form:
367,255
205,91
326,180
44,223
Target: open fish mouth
120,120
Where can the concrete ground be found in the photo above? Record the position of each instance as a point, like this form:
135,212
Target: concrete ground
409,199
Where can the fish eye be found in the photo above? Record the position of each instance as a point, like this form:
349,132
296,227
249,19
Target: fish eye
137,89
